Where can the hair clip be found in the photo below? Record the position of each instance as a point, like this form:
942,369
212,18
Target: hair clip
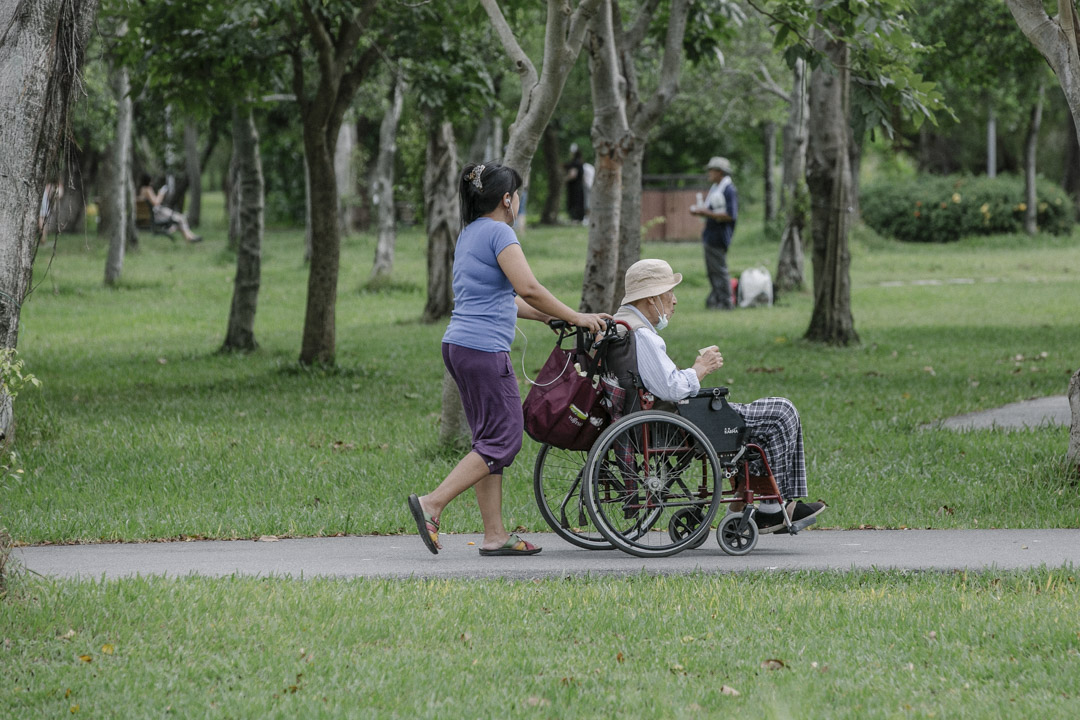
474,177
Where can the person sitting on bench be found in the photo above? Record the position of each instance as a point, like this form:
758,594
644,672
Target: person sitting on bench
772,423
163,214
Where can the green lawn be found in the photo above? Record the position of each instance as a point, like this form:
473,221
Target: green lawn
142,431
832,645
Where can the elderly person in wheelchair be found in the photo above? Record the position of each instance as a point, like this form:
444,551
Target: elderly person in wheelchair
773,423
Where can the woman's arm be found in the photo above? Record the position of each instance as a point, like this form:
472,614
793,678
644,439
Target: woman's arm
542,305
525,311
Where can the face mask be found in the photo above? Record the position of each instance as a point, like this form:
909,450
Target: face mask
662,322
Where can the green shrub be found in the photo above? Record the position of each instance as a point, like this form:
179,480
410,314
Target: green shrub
934,208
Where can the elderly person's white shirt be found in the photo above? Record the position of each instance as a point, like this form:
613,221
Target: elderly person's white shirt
657,371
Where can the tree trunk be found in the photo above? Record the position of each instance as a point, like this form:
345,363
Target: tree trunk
1070,180
629,217
991,144
363,212
345,173
642,115
1031,213
1056,39
828,178
795,132
232,201
383,186
193,172
319,339
553,167
308,231
117,174
41,53
790,271
453,427
111,183
487,140
443,217
768,131
132,233
1073,455
611,140
240,333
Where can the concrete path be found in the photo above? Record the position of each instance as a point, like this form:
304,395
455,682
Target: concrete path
404,556
1038,412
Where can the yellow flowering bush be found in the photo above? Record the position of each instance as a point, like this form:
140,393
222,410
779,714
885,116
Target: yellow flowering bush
935,208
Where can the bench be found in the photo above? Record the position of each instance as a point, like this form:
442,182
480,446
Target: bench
144,220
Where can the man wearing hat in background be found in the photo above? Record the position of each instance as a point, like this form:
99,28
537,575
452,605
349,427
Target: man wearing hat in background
720,210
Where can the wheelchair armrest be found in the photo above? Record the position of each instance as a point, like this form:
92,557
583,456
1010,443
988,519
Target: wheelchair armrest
712,392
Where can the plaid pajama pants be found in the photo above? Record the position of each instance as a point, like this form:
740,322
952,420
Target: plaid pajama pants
773,423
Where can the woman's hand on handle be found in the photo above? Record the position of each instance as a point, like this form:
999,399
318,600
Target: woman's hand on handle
596,322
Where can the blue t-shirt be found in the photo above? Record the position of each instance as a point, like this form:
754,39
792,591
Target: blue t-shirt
484,311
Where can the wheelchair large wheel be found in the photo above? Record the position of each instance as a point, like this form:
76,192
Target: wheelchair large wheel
647,475
557,484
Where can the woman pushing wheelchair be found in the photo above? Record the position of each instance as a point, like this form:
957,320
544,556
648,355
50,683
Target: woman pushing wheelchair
493,287
772,423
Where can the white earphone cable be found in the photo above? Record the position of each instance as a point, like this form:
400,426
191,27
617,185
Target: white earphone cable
525,374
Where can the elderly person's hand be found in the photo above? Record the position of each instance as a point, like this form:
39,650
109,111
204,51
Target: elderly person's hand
708,360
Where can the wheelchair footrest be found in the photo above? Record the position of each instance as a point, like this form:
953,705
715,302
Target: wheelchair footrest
802,524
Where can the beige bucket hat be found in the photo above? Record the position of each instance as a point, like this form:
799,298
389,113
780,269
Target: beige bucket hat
719,163
647,278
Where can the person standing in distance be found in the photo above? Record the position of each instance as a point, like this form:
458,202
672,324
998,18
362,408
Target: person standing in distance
493,286
721,209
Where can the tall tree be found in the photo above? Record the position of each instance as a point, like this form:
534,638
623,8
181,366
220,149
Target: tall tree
336,35
650,44
870,43
42,43
1058,39
828,176
250,201
564,33
118,175
796,131
199,59
611,138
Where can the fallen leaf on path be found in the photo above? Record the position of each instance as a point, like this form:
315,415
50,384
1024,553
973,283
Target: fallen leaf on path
773,664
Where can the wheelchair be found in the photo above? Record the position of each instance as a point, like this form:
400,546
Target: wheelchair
654,481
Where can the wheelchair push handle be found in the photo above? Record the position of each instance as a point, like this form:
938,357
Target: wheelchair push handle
566,329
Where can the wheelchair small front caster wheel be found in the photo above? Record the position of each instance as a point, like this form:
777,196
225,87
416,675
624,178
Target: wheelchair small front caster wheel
734,541
684,522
